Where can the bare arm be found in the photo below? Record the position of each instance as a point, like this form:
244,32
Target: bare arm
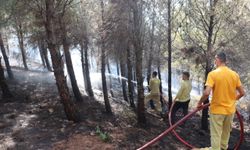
205,95
241,92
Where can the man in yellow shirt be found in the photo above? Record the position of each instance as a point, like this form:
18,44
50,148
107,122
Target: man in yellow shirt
154,86
182,98
227,88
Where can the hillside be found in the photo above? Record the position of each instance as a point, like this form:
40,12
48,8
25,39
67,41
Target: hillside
34,119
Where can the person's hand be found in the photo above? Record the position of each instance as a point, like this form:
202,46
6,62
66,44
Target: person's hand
199,104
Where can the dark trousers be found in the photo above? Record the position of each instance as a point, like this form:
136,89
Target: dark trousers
176,107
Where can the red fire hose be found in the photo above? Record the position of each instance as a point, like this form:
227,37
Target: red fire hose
176,134
236,147
185,118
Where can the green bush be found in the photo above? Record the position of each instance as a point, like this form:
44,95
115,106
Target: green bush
103,135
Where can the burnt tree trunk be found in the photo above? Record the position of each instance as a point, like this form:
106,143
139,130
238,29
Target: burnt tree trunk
137,42
134,73
69,107
83,67
149,67
86,73
89,85
151,49
45,55
108,66
118,70
123,74
159,72
159,75
41,53
140,89
204,119
6,59
7,48
103,65
5,89
21,44
169,55
110,79
69,64
130,76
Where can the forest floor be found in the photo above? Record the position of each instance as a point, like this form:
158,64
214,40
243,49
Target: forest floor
34,120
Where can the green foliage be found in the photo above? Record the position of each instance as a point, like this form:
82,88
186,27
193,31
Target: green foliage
103,135
6,8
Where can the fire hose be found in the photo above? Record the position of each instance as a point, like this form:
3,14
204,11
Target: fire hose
172,127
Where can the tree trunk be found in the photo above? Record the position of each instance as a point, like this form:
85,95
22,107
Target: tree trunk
103,65
169,55
123,74
130,84
108,66
6,59
117,69
41,53
110,79
134,74
69,64
150,56
159,71
21,44
86,68
204,120
104,83
140,89
83,68
69,106
159,75
149,66
137,42
45,55
7,48
5,89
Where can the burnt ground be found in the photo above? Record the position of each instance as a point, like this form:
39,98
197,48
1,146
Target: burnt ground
34,119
